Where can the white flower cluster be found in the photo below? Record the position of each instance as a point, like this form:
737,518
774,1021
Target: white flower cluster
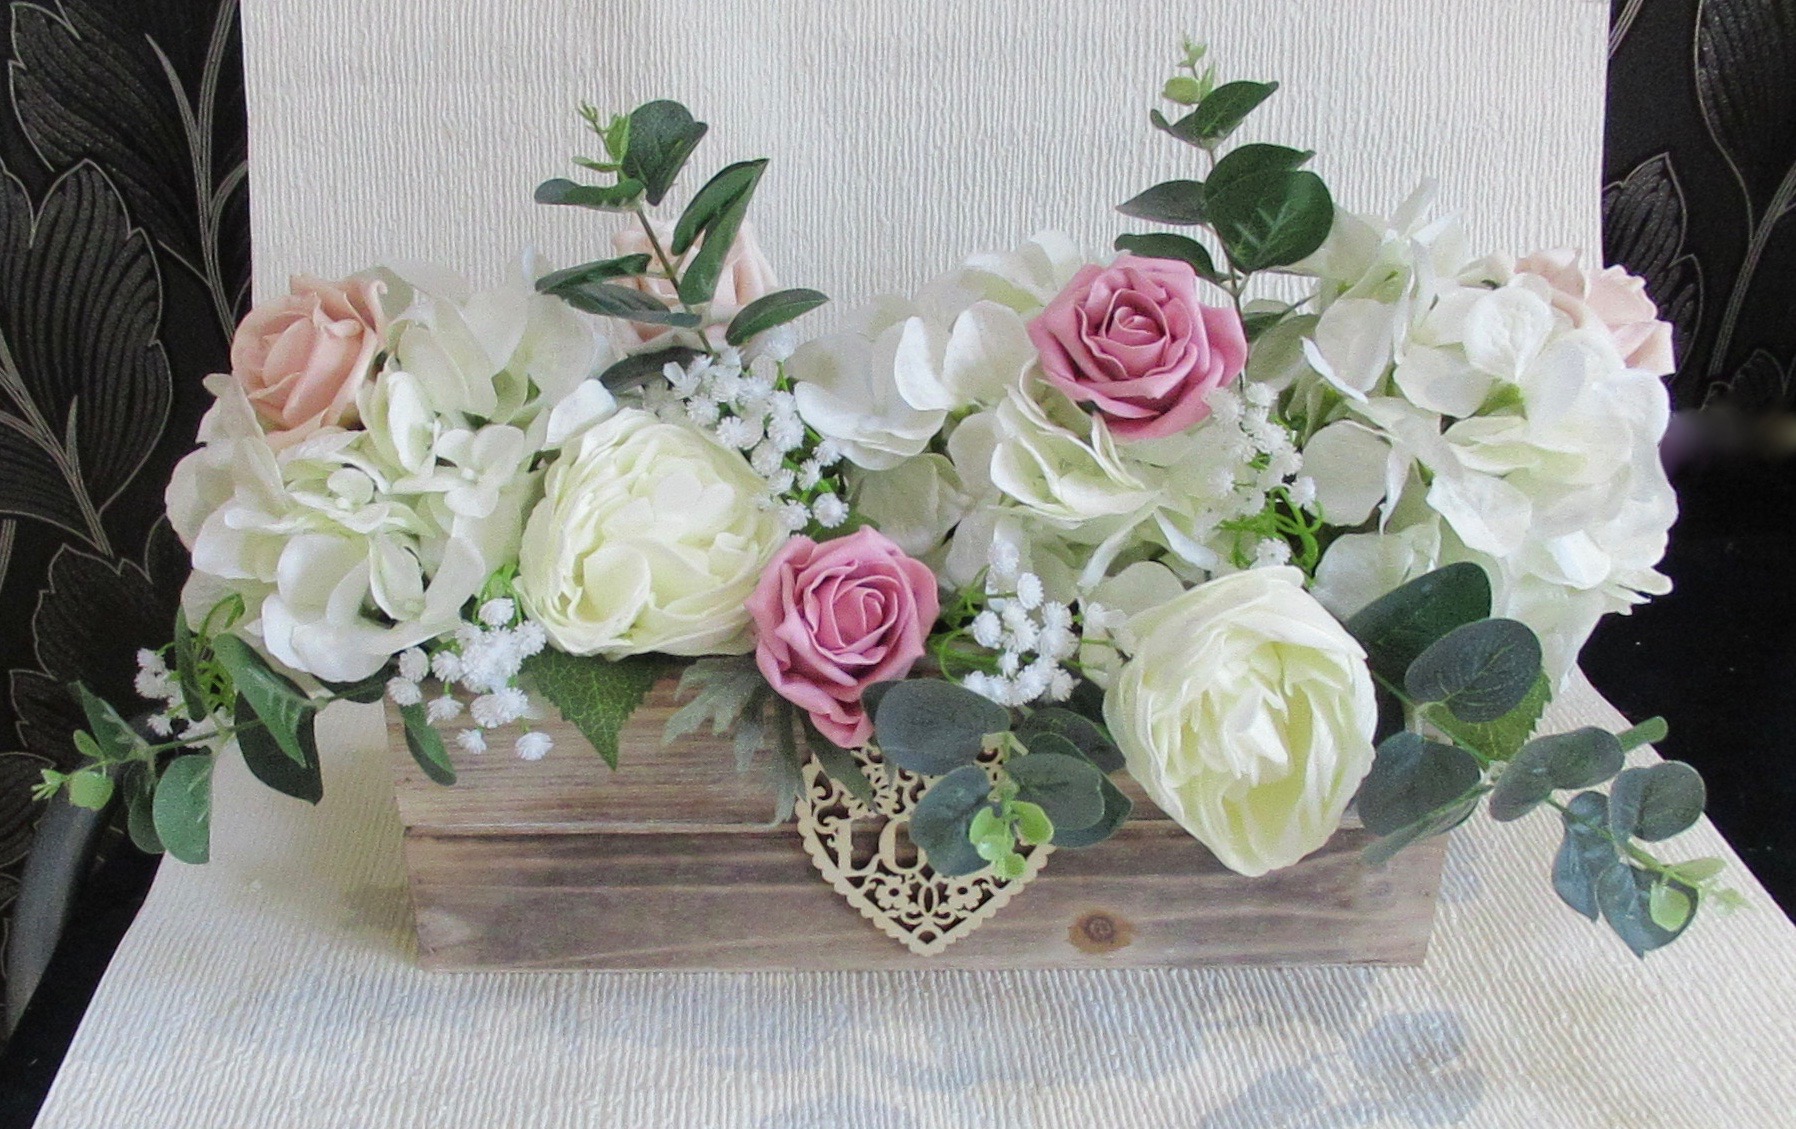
156,683
1266,461
1032,635
747,408
484,660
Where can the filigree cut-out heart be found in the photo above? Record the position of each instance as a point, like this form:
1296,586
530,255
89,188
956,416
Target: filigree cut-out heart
868,857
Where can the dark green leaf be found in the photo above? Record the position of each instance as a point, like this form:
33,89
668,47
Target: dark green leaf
620,197
607,299
1401,624
1271,219
1578,759
1117,807
1479,671
1624,894
117,741
1254,160
140,819
840,764
1437,822
1257,322
941,821
639,368
872,695
1177,202
275,768
187,667
1584,854
1179,248
729,190
1087,701
1086,735
1061,781
698,278
1411,779
283,707
426,745
1226,107
1656,802
369,690
662,136
596,695
629,266
182,809
1183,129
771,310
1502,738
929,726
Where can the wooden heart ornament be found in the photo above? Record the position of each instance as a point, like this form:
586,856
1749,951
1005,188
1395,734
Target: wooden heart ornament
867,855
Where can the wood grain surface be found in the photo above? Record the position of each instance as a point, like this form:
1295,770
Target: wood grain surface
671,863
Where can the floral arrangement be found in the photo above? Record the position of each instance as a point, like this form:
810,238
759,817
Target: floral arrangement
1284,510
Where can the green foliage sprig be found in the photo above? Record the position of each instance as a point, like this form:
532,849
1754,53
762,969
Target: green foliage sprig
1445,666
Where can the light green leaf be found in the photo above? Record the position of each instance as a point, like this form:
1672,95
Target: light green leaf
1032,823
1182,89
1698,871
90,789
596,695
115,740
283,707
1649,732
1670,907
182,808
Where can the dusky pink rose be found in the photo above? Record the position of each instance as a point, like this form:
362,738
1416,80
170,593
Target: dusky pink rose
746,275
833,618
1132,340
303,357
1611,299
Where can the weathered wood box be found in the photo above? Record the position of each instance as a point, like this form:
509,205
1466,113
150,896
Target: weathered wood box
670,863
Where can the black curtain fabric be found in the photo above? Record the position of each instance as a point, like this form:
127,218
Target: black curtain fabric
124,257
124,265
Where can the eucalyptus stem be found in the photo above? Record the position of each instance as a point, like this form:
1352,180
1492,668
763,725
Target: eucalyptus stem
672,272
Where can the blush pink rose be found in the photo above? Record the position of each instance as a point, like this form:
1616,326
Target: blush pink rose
302,358
1610,299
1132,340
831,619
746,275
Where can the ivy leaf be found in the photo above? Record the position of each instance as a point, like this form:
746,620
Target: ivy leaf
182,808
662,136
1479,671
596,695
283,707
1398,626
941,823
1656,802
1218,115
1176,202
771,310
426,745
1179,248
269,764
619,197
932,727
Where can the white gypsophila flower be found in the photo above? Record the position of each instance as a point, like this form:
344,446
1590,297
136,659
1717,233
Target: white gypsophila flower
1032,683
809,474
1303,492
1057,642
794,515
446,665
1061,685
1258,395
1271,552
498,708
471,740
534,745
1005,559
1014,614
992,689
161,724
530,638
445,708
404,692
785,432
988,629
781,481
703,411
498,612
1009,663
1055,615
830,511
414,664
1028,591
738,433
828,453
766,459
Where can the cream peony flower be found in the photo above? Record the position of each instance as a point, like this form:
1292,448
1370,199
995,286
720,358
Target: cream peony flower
1247,714
649,537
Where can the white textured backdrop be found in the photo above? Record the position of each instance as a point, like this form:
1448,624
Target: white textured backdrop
904,135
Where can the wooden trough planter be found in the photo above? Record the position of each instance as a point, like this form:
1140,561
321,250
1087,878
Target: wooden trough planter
670,863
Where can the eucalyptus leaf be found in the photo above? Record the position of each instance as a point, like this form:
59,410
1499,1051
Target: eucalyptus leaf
1584,854
1062,783
283,707
1479,671
1412,779
1178,248
1560,761
1670,906
627,266
623,196
1400,625
662,137
1177,202
1032,823
607,299
1437,822
1086,735
187,667
272,766
139,787
1271,219
1117,808
1504,737
1624,893
1649,732
932,727
426,745
729,190
699,276
116,741
90,788
638,369
1223,110
182,808
942,819
770,311
1657,801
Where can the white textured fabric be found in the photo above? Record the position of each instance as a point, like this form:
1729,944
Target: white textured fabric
275,987
903,135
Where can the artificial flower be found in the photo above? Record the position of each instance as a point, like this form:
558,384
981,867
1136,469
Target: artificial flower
302,358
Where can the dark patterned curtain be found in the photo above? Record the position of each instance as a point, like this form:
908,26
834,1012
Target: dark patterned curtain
124,264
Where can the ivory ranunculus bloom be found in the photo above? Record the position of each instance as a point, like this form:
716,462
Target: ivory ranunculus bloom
1246,712
649,537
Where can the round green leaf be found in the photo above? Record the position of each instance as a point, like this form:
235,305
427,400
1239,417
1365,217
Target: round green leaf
941,822
1411,780
1656,802
1032,823
931,727
1479,671
90,789
1117,807
1064,784
182,809
1579,759
1085,735
1584,854
1624,893
662,135
1400,625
